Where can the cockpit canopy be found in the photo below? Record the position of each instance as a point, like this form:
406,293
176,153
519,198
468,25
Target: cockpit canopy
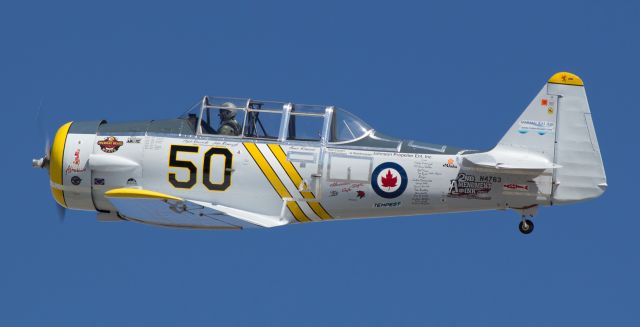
286,121
237,117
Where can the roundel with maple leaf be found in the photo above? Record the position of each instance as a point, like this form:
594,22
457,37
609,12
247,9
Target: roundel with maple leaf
389,180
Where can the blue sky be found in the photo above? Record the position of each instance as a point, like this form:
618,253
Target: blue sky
446,72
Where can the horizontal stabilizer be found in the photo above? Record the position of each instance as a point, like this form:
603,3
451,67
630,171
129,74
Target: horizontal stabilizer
497,159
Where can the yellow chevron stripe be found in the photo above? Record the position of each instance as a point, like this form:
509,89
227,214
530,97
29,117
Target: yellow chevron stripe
272,177
295,177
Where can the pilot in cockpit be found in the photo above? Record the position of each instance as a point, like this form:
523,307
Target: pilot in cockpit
228,123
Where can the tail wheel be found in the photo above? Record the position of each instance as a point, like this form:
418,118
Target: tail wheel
526,226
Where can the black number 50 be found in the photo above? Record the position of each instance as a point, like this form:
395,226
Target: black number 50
206,167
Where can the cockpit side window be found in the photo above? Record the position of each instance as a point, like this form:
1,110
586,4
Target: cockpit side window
222,117
263,124
305,127
264,119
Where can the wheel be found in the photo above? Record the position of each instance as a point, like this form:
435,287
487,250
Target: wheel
526,226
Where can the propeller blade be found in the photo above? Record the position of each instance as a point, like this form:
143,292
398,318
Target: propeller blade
47,148
44,162
62,212
43,131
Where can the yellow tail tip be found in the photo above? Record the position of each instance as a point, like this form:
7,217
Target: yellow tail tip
566,78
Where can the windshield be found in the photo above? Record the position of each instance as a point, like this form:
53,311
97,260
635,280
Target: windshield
346,127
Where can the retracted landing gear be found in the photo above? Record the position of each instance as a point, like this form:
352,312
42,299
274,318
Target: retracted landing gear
526,225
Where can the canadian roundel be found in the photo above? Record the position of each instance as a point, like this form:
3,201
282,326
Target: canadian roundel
389,180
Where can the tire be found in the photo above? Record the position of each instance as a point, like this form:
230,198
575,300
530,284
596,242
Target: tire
529,228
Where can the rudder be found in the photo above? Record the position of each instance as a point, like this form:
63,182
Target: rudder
581,175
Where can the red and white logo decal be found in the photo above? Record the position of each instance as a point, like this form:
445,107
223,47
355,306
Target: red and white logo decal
110,144
515,187
389,180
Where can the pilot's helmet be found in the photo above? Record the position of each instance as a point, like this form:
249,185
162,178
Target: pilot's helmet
227,114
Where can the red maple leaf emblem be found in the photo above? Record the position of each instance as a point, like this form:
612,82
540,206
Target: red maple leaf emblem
388,180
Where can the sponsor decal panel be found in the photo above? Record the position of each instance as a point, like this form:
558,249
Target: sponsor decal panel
472,187
450,164
389,180
134,140
548,104
348,190
515,187
76,157
74,167
421,181
387,205
535,126
98,181
110,144
356,195
75,180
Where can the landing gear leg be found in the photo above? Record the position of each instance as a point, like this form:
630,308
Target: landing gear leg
526,225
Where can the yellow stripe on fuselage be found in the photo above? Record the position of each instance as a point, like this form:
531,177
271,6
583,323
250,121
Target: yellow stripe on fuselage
56,163
295,177
272,177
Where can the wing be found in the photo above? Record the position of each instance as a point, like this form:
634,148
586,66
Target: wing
166,210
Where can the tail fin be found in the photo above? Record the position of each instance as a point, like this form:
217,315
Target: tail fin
555,132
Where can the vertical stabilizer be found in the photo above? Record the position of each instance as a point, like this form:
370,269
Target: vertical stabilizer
556,131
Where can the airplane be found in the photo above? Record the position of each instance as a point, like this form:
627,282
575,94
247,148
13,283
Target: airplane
234,163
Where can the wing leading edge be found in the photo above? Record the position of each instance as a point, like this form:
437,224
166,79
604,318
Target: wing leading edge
156,208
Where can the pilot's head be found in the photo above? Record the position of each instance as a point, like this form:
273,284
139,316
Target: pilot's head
227,114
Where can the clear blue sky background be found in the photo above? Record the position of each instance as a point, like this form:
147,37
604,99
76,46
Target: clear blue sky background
449,72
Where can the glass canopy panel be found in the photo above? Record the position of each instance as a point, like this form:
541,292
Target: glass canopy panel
346,127
306,122
263,124
304,127
309,109
264,119
276,106
223,116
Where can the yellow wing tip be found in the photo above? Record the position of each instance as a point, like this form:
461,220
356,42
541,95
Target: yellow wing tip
566,78
134,193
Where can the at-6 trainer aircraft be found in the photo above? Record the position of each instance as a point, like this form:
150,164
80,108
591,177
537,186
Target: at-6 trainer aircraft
231,163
